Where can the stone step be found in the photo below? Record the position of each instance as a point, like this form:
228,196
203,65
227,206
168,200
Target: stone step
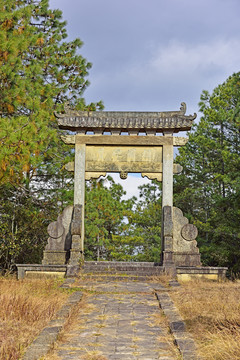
121,263
111,277
127,268
147,272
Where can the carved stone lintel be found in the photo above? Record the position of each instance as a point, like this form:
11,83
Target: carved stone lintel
155,168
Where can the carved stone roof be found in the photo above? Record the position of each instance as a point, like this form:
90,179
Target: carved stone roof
125,121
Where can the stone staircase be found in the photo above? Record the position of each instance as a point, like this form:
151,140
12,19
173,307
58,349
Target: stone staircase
120,270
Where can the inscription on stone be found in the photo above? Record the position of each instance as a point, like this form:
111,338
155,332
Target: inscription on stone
124,158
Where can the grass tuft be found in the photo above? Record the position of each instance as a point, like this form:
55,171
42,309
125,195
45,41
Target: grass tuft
212,314
26,307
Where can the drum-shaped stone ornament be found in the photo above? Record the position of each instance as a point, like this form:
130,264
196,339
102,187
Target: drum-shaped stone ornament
55,229
189,232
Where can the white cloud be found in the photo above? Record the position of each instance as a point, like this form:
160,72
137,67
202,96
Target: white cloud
178,58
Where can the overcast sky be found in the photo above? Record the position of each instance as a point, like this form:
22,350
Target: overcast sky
150,55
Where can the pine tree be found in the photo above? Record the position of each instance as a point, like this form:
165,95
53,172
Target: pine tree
39,72
104,220
209,188
145,223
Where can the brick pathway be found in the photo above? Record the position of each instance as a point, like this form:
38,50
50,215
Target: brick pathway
117,320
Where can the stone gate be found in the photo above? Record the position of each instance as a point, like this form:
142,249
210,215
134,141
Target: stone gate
123,142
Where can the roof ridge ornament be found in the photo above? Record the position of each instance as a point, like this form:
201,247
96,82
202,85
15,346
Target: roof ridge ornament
183,108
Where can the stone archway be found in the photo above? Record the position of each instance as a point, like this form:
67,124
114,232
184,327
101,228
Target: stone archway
150,155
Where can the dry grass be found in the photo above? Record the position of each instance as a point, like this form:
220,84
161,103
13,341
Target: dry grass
162,279
26,307
212,314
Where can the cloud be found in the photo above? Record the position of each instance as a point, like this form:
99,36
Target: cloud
202,59
166,75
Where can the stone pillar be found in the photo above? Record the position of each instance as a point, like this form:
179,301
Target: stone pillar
79,187
167,180
167,205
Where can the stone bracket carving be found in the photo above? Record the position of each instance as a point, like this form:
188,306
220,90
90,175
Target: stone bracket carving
94,175
153,176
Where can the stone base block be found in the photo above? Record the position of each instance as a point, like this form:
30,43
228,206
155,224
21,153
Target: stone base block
53,257
76,257
72,270
185,273
186,259
40,271
44,274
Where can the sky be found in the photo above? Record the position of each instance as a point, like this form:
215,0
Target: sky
150,55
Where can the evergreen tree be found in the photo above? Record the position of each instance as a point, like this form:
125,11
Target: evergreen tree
105,227
208,190
39,72
145,223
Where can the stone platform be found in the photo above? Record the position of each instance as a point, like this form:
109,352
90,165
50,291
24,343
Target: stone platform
185,273
39,270
120,270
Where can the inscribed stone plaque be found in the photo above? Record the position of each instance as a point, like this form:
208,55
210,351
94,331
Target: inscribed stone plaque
124,158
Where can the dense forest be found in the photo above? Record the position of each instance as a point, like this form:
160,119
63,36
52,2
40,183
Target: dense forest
40,71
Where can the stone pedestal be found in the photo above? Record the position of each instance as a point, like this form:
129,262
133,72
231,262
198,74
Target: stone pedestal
51,257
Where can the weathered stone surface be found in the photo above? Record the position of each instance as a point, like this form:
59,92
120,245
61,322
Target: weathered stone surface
59,242
126,121
79,186
189,232
55,229
38,269
167,237
76,220
45,340
76,253
185,250
123,140
59,231
177,326
185,273
120,323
